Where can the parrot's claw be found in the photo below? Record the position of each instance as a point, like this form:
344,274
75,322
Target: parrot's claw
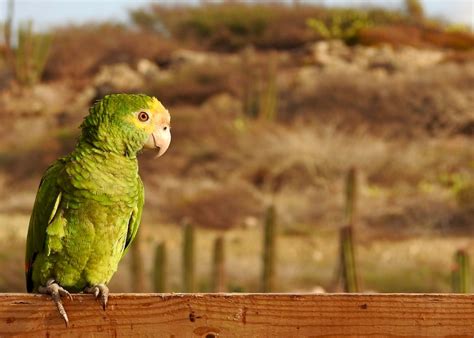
56,292
99,290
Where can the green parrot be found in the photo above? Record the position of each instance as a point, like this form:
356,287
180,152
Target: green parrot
89,203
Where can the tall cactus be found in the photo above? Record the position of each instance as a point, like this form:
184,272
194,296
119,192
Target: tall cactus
250,80
269,95
31,54
188,258
348,269
414,9
269,251
160,268
7,32
137,270
260,90
461,274
351,196
218,270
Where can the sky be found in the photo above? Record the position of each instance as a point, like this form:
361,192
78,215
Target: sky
47,13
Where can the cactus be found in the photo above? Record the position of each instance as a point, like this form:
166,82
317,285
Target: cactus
414,9
159,272
7,33
250,90
136,266
260,92
31,54
351,196
269,251
268,103
348,271
218,271
188,258
461,274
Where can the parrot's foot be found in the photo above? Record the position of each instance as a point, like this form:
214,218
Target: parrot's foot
56,292
99,290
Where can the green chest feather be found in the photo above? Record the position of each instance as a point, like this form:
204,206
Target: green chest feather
94,218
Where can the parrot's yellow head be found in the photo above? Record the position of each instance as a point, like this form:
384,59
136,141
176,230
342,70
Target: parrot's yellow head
126,123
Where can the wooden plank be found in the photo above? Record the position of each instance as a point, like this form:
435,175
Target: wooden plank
241,315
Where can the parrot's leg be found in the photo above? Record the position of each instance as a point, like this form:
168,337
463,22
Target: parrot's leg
56,292
99,290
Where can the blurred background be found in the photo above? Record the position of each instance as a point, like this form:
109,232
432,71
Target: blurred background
317,145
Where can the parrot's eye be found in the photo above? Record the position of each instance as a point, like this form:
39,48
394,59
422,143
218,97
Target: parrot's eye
143,116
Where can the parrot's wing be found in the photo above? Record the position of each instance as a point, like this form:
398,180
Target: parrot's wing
135,218
45,207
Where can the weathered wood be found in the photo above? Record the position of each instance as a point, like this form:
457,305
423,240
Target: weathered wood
241,315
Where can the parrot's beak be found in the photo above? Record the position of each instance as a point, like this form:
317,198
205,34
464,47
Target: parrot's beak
159,139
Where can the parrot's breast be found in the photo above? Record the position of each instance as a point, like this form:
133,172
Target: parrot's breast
99,194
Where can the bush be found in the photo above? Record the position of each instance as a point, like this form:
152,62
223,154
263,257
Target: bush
192,84
79,51
342,25
416,36
231,26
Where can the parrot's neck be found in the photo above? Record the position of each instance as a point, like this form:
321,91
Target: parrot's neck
104,152
107,143
103,173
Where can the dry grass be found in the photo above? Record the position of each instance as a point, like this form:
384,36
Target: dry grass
304,262
409,102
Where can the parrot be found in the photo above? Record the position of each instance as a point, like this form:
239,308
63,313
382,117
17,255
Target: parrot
89,203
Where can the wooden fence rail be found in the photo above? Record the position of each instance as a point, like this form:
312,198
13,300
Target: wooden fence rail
241,315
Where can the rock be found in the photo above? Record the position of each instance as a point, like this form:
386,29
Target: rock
184,56
306,80
40,99
336,55
118,77
223,104
330,53
148,69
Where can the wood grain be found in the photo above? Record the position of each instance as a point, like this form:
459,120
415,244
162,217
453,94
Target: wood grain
241,315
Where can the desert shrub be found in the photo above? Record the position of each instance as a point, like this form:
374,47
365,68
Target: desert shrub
231,26
79,51
449,39
346,24
342,25
192,84
417,36
221,207
395,35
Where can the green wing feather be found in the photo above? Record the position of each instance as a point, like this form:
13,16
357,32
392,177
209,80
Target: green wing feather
136,217
45,207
